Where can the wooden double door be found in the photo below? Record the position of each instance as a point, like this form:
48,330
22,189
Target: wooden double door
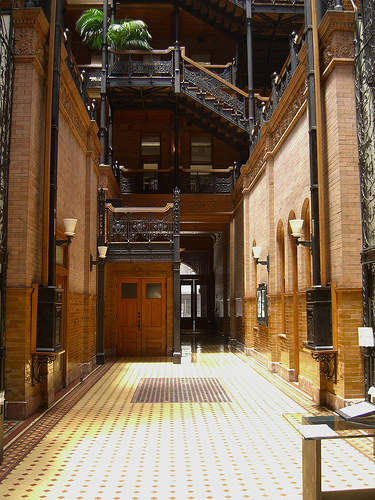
141,316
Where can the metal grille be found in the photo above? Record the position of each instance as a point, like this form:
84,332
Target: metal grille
180,390
6,89
364,71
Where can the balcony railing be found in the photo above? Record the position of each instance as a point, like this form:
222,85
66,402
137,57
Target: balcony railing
127,225
161,181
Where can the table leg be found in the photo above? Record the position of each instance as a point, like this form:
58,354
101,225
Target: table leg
311,469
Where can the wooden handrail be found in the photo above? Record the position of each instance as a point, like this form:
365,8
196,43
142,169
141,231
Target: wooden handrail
145,52
168,170
144,171
135,210
208,170
208,72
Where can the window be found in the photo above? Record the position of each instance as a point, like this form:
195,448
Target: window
150,158
150,145
201,151
150,178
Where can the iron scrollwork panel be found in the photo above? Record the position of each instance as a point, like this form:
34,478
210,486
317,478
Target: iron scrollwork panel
128,228
364,72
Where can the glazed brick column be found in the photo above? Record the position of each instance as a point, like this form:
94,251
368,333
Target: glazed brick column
25,209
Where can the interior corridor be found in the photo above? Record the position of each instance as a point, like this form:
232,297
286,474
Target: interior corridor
216,432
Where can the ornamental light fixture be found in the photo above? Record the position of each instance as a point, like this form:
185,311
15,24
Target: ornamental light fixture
70,227
102,252
296,228
256,254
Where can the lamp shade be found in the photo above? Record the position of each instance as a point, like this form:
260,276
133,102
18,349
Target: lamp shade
296,227
70,226
256,252
102,251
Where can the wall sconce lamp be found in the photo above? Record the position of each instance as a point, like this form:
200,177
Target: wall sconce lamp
70,227
256,255
102,251
296,228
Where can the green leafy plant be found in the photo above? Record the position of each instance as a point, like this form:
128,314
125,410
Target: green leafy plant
124,34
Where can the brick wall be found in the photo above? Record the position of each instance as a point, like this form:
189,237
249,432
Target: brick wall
78,156
276,187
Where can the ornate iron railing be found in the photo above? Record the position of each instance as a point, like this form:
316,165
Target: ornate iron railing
265,106
268,3
126,225
214,92
138,64
364,71
77,76
6,89
207,181
214,181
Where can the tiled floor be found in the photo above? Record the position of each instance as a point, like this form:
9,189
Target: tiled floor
97,444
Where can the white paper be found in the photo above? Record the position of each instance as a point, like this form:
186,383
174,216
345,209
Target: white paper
365,336
316,431
358,410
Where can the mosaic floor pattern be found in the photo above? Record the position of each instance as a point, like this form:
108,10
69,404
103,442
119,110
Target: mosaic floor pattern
97,444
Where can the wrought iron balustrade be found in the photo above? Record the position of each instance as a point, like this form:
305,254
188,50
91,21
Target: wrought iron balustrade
213,181
364,71
78,77
214,91
146,181
134,226
265,106
135,64
217,181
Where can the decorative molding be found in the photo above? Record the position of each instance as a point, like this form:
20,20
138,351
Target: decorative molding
274,132
337,39
31,30
76,114
108,183
254,173
299,99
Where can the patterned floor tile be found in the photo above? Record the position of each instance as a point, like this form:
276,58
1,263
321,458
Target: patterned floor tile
96,443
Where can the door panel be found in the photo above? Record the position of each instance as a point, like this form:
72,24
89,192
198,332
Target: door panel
141,316
129,340
154,316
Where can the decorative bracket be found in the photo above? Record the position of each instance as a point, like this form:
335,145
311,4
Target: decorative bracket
329,363
39,365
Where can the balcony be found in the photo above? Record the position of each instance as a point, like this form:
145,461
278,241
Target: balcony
194,180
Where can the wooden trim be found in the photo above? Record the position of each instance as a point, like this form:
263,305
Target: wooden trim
334,316
34,316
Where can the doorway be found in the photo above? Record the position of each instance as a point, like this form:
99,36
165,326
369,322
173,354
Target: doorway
59,365
194,304
141,316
